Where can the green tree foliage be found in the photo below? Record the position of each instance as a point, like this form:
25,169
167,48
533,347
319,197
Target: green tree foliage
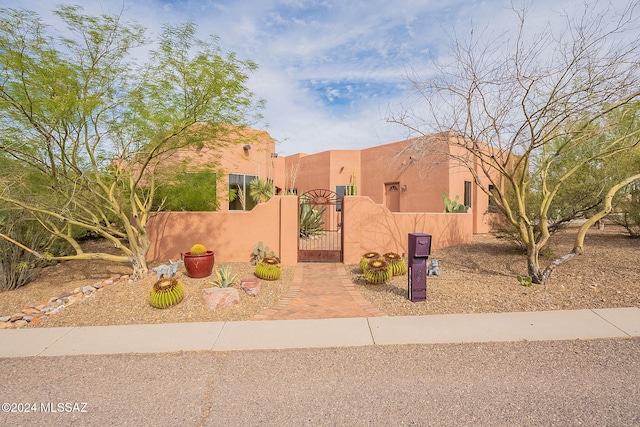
188,191
539,119
88,126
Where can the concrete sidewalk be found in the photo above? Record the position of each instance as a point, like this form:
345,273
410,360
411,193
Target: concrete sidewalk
282,334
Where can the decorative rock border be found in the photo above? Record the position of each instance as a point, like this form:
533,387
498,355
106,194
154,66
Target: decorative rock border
35,313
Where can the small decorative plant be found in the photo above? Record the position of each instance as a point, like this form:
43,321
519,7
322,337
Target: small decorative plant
452,206
311,220
524,280
198,261
166,292
198,249
397,263
377,271
224,277
260,251
364,259
269,268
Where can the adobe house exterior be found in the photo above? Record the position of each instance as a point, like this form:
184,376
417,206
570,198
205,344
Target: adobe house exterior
399,190
397,176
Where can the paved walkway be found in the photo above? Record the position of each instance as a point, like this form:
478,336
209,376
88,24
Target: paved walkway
320,291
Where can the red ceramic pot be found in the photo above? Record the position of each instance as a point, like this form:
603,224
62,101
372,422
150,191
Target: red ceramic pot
198,266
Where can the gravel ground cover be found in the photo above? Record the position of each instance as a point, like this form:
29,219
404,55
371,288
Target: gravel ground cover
478,277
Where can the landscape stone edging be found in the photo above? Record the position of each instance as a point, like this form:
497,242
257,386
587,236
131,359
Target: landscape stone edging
35,313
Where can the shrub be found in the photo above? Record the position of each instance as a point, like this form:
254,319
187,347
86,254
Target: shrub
16,263
188,191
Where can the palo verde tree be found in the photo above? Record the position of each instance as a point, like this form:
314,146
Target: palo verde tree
536,117
90,126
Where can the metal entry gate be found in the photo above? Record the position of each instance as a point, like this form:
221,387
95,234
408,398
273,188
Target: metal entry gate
320,227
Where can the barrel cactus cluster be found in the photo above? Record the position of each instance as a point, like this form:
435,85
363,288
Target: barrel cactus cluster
268,268
379,269
166,292
398,264
364,260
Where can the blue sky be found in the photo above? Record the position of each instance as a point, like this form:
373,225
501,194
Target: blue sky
329,69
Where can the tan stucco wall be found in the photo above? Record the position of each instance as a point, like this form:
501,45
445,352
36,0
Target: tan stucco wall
231,235
422,178
368,226
325,170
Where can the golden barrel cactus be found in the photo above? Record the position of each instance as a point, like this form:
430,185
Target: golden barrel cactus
398,264
269,268
198,249
364,260
166,292
377,271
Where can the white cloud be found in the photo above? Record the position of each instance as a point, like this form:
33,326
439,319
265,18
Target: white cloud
328,69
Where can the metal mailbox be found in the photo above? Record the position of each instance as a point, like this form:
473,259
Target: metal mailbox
419,251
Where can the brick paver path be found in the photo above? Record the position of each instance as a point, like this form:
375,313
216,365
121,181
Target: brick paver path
320,291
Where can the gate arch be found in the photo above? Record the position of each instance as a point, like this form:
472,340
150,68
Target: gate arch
320,236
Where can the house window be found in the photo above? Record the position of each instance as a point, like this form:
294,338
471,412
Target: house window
341,190
493,207
467,193
239,192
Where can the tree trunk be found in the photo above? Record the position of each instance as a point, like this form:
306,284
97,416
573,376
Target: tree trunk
533,263
139,264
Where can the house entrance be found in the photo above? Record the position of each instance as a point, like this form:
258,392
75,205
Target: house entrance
320,227
392,196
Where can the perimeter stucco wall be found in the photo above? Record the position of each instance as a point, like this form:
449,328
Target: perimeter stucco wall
368,226
231,235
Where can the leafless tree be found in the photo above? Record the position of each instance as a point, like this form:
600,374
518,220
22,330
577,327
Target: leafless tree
532,115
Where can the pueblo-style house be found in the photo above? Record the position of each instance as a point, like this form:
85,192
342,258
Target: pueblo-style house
389,190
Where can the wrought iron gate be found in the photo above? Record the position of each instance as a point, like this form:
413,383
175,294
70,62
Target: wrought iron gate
320,226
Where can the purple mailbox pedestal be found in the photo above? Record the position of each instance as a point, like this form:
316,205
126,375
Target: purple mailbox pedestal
419,251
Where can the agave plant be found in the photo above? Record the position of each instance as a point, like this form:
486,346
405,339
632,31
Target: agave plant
377,271
166,292
224,277
364,260
311,220
269,268
398,265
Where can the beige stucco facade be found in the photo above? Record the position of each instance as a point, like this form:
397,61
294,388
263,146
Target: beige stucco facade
398,175
399,191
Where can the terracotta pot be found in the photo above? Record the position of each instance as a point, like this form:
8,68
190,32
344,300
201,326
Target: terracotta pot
198,266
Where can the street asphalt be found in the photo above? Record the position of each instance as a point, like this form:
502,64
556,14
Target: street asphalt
464,370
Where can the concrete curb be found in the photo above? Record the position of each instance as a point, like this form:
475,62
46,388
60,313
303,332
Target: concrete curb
283,334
